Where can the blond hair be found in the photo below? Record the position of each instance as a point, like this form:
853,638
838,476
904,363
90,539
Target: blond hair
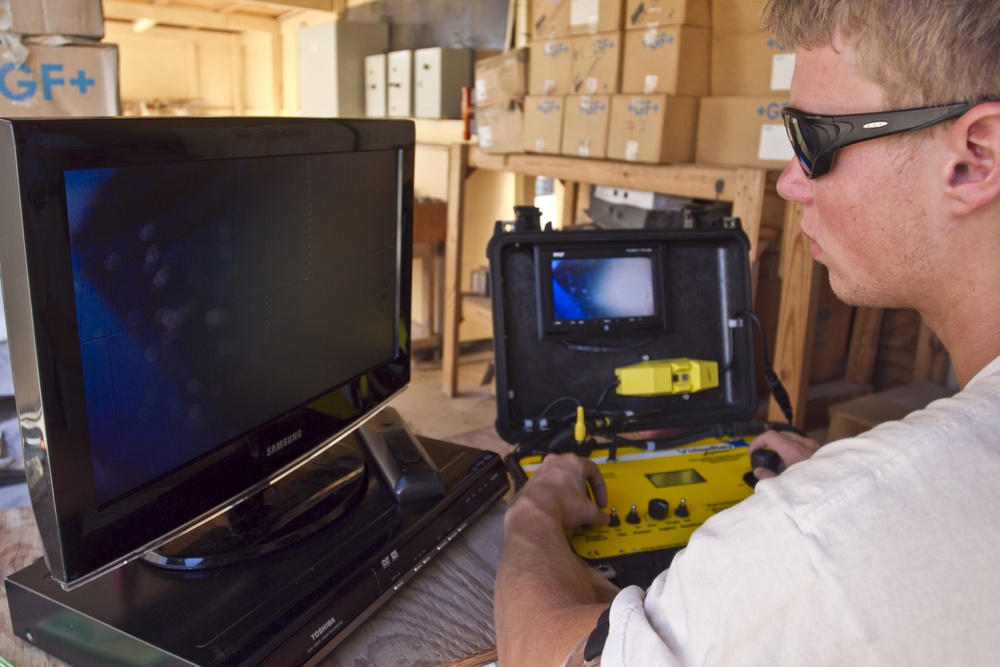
922,52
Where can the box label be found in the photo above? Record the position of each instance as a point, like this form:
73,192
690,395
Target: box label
486,136
774,144
585,12
657,39
631,150
61,81
782,66
591,106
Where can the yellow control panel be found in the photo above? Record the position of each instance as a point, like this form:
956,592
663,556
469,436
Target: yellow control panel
658,498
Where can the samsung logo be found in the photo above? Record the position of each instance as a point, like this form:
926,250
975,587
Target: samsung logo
284,442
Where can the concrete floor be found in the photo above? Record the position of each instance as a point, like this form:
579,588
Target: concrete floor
430,413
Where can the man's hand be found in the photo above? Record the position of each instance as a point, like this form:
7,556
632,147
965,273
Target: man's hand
546,598
567,488
790,446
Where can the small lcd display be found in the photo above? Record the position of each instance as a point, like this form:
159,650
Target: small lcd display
606,287
592,289
675,478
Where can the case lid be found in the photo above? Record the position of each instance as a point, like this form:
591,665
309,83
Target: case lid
580,316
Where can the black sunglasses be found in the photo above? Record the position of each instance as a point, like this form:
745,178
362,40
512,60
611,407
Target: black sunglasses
815,138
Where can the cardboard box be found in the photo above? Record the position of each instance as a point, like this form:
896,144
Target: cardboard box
654,13
430,221
736,17
79,18
750,65
824,395
593,16
669,59
861,414
585,125
71,80
550,67
652,128
499,126
549,18
502,77
743,131
597,63
543,124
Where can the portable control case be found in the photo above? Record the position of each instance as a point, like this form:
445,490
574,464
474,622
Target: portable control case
571,310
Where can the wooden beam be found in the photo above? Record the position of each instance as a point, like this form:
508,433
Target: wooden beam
321,5
120,10
790,352
931,361
863,348
458,169
748,200
699,181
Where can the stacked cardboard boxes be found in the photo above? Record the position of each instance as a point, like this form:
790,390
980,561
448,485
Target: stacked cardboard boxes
740,122
501,83
653,81
616,78
52,62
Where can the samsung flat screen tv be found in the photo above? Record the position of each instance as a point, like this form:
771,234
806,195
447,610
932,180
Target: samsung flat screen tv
196,307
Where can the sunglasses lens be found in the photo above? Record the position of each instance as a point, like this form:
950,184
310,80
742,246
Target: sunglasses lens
802,138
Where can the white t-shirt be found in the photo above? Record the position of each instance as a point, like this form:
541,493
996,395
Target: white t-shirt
882,549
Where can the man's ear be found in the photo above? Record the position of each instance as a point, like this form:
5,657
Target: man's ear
973,172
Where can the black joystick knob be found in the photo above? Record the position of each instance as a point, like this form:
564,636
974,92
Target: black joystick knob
761,458
615,521
633,516
659,509
765,458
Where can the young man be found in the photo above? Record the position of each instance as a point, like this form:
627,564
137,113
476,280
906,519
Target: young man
879,549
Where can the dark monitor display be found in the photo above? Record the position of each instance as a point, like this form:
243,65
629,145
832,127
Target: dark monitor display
195,307
600,290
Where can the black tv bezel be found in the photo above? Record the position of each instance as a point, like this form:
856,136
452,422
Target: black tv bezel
550,327
81,537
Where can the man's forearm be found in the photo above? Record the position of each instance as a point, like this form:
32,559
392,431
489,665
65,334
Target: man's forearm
547,599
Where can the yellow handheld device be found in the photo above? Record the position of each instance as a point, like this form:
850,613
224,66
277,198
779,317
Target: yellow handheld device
657,499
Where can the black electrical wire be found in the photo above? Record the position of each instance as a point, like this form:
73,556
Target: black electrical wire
604,394
778,391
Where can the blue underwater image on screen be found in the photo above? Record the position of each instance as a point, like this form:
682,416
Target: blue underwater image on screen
210,297
602,288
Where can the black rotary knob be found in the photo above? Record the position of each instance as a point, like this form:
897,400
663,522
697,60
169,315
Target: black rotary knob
659,509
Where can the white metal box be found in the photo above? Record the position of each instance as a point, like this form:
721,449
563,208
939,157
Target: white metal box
332,65
399,82
375,98
440,75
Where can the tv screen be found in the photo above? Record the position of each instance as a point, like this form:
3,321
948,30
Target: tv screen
195,307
